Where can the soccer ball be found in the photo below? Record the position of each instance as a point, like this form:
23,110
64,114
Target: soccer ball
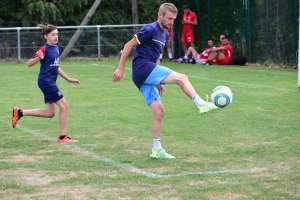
222,96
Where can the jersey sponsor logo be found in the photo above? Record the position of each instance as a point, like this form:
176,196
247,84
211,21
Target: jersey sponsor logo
56,62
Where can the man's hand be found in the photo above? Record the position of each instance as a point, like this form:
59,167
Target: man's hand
161,89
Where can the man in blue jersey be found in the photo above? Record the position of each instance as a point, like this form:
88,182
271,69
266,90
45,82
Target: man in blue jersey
150,77
48,56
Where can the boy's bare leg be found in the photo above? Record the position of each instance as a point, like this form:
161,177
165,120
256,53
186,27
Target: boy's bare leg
63,115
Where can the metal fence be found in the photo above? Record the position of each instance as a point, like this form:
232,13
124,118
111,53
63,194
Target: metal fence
266,31
95,42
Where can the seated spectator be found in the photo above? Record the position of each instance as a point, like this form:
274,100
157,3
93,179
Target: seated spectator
222,54
196,57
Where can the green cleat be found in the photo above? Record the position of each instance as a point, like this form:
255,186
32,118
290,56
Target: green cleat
207,107
160,154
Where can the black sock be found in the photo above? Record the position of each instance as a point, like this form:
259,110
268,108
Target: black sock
20,113
61,137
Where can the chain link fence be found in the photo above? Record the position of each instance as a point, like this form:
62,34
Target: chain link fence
273,29
95,42
263,30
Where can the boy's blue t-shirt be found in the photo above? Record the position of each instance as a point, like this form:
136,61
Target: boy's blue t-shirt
151,39
49,66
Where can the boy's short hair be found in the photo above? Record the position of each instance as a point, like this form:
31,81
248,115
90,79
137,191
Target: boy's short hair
47,28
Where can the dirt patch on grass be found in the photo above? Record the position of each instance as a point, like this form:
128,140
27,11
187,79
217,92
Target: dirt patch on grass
229,195
252,143
31,177
158,169
59,192
22,158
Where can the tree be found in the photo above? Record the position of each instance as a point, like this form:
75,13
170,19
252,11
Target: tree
135,14
31,12
85,21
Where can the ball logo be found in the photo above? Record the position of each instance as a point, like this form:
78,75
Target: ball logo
222,96
59,93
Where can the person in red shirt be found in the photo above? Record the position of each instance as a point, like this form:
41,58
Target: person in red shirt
223,54
169,47
189,20
196,57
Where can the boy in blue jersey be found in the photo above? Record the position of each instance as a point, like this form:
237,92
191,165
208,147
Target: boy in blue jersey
150,77
48,56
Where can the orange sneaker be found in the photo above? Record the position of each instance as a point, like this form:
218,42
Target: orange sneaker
15,117
66,139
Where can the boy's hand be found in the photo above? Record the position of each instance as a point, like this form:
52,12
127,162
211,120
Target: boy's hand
75,81
40,54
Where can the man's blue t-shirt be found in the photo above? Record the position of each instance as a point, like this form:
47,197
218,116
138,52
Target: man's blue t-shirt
151,39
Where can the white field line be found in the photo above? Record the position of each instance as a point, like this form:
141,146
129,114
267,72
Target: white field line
130,168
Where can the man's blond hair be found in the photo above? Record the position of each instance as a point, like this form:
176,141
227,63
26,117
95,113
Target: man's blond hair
164,8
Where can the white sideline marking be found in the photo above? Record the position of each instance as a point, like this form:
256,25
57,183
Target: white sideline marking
131,168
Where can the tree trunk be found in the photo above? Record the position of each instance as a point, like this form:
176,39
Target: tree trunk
135,15
84,22
159,2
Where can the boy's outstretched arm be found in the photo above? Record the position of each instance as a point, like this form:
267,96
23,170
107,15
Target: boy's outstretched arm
67,78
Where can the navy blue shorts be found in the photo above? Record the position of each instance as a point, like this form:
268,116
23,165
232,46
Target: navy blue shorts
51,93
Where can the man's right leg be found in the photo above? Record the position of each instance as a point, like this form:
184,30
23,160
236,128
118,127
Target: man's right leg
184,47
184,41
169,50
183,81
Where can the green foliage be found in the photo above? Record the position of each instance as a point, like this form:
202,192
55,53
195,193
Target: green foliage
147,15
30,12
113,12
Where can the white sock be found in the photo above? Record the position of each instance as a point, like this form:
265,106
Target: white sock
156,144
198,101
170,55
185,57
160,56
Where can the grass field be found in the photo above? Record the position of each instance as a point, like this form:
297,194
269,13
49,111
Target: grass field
250,150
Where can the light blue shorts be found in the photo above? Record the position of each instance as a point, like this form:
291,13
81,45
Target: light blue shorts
149,89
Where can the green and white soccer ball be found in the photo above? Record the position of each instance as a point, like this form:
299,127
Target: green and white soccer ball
222,96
